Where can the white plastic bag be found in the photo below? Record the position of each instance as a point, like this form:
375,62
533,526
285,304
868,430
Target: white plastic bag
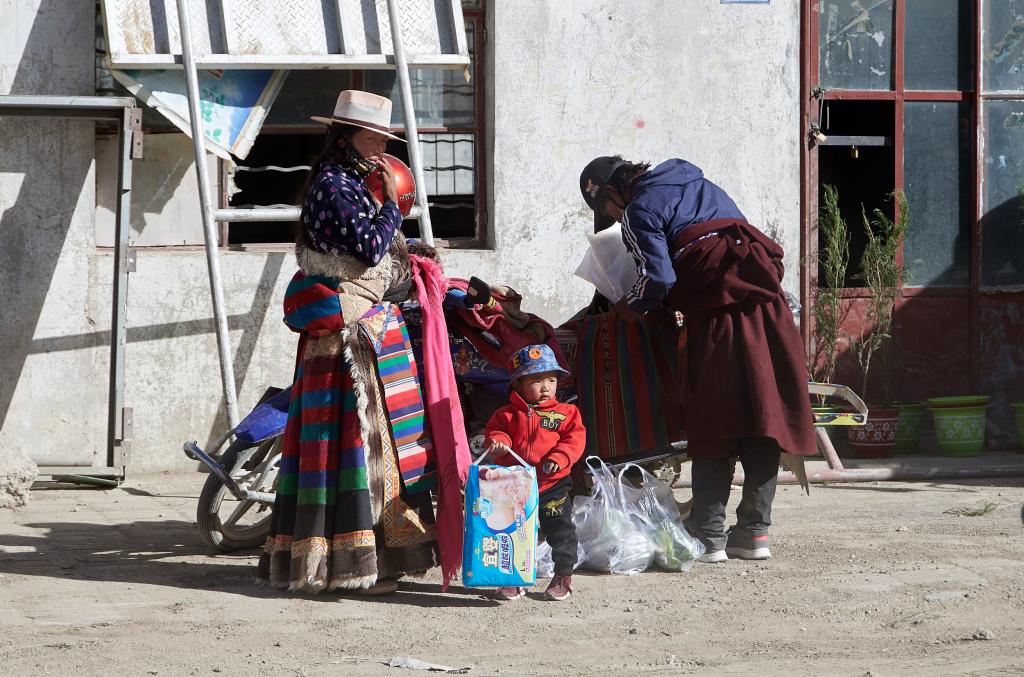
624,529
545,565
654,505
614,540
608,265
582,507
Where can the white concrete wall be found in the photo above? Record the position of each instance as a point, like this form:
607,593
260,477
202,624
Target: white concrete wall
55,284
714,84
49,402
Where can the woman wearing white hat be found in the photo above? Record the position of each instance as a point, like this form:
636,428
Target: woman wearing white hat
351,512
339,215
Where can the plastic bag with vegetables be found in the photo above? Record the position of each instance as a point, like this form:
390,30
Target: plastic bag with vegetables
612,539
652,502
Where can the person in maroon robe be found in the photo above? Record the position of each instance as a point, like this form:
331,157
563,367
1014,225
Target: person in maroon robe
744,388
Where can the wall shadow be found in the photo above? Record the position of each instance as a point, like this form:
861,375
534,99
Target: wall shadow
36,224
37,221
243,354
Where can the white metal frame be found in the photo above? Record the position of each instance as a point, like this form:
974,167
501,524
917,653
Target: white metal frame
191,62
123,111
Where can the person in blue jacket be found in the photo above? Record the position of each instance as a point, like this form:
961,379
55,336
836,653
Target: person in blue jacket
744,386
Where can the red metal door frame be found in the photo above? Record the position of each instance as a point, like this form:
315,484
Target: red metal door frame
899,96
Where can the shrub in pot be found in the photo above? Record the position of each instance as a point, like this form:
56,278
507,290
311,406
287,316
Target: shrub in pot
882,274
833,259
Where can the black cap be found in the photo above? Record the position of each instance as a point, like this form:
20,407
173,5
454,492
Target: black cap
596,175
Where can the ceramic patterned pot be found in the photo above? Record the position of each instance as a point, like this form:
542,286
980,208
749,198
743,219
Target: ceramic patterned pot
960,430
877,437
908,429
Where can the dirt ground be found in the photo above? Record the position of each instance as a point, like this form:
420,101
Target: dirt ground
875,579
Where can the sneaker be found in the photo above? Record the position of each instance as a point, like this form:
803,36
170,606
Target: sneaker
743,545
713,557
559,588
508,593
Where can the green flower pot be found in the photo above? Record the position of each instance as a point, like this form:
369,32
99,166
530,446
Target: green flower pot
1018,414
908,428
958,401
960,430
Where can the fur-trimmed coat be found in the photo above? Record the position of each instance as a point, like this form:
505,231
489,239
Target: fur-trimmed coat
360,286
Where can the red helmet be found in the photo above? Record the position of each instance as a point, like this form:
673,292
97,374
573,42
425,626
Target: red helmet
403,181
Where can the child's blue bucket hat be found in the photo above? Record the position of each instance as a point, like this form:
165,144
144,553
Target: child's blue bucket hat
535,359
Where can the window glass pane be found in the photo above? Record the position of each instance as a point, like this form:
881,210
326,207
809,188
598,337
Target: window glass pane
938,44
936,164
855,44
1002,221
446,113
442,97
305,93
863,175
1004,45
448,163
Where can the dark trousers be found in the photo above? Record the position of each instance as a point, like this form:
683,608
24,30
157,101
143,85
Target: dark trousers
712,482
555,505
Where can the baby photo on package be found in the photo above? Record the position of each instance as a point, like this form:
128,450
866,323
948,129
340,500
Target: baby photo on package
500,542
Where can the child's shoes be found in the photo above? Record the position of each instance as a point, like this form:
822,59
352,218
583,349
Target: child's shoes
508,593
559,589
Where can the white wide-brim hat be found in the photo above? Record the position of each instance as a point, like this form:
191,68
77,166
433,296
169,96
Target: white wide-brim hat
362,109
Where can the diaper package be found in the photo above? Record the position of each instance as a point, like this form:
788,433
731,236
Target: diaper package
500,540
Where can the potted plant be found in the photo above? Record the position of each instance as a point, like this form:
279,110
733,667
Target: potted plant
960,423
908,428
833,259
882,274
1018,416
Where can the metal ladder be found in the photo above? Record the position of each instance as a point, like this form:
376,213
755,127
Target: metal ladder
211,216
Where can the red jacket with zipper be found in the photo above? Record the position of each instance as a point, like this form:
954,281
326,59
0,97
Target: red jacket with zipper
551,431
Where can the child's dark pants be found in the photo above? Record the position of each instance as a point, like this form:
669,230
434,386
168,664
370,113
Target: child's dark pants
712,480
556,522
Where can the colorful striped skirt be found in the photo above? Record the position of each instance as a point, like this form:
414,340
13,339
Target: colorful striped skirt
353,502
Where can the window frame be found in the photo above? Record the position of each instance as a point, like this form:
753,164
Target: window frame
975,95
476,15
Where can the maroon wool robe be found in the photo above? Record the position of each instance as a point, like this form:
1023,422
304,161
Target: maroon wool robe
745,374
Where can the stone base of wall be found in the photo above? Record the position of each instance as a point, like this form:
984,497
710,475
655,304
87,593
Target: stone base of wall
17,473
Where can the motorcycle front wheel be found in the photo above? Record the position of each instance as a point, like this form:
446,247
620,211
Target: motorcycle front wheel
226,523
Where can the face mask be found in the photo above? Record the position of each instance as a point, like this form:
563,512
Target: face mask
352,159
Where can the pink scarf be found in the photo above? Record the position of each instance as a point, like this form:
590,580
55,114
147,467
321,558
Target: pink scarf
444,413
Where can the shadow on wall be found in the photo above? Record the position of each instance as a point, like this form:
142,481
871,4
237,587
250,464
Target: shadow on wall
252,323
249,323
36,221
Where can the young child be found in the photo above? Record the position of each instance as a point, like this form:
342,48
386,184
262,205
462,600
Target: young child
549,436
